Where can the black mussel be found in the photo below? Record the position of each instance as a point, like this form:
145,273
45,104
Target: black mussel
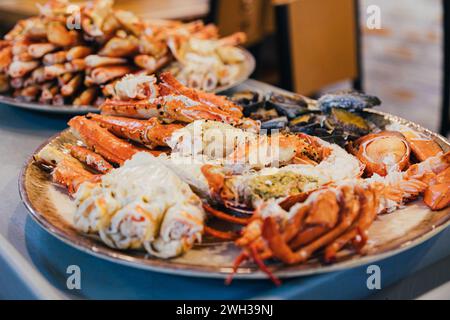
307,123
277,123
350,122
263,114
308,128
302,120
337,136
290,106
250,101
350,100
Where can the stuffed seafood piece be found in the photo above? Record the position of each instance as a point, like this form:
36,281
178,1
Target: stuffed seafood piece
130,208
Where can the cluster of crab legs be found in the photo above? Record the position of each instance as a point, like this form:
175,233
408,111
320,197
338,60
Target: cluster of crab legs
141,123
43,59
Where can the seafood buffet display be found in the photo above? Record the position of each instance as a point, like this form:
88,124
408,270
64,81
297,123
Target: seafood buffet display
163,161
74,54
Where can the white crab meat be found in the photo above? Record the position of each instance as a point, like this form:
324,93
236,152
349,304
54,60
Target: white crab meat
133,225
136,87
212,139
139,204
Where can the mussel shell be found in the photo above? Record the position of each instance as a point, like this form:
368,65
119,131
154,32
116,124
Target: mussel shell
277,123
350,122
290,106
350,100
302,120
263,114
249,100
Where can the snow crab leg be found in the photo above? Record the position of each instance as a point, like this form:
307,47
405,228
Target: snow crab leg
66,171
151,132
101,141
90,158
167,108
170,85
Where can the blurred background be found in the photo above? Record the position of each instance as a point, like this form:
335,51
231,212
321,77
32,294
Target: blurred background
392,49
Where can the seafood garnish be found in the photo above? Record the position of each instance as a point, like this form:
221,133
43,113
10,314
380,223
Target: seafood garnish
131,209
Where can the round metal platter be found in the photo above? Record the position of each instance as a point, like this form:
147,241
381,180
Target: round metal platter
390,234
247,68
64,109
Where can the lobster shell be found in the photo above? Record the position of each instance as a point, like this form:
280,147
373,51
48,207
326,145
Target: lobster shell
382,152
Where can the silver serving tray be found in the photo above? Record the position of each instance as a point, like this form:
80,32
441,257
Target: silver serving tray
390,234
247,68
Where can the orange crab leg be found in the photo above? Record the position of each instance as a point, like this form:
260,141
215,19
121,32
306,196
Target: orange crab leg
71,175
139,109
263,267
215,178
281,249
181,108
102,75
90,158
237,262
307,235
289,201
172,108
102,141
349,214
224,235
224,216
170,85
368,212
149,132
437,197
296,224
422,146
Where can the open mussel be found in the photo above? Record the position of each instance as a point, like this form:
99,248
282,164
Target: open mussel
290,106
350,100
263,114
279,123
314,124
250,101
339,126
349,122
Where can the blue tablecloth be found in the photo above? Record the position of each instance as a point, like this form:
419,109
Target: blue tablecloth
106,280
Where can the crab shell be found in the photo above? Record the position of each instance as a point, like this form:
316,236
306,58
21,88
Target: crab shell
382,152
